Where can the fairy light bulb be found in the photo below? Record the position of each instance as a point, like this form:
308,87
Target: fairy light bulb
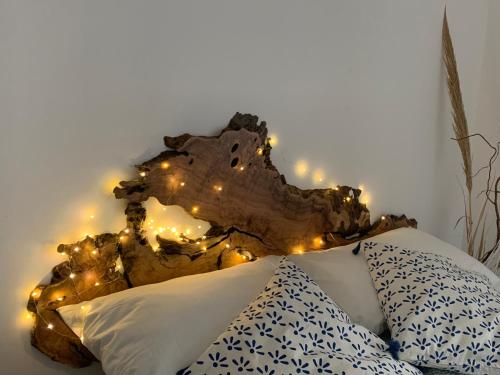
50,326
72,275
348,199
76,249
228,246
94,252
218,187
204,248
127,231
165,165
260,151
173,230
142,174
183,183
383,218
97,284
195,209
242,168
34,293
60,299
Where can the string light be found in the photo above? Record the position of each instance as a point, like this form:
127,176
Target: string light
260,151
97,284
348,199
76,249
72,275
195,209
50,326
165,165
218,187
60,299
204,248
183,183
228,246
127,230
383,218
94,252
242,168
142,174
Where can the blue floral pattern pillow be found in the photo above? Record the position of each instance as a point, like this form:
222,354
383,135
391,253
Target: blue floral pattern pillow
439,314
293,327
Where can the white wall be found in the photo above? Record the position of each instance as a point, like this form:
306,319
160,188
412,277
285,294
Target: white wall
88,88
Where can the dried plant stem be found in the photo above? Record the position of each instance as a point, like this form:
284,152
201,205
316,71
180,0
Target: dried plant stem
462,137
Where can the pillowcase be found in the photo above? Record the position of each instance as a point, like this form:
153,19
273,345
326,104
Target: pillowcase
411,238
440,315
345,278
294,327
160,328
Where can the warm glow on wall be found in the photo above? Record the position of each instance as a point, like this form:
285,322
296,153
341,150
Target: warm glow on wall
301,168
273,140
172,222
318,176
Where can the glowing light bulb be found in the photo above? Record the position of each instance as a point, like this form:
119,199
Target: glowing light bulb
203,237
92,216
195,209
260,151
127,230
183,183
72,275
273,140
218,187
122,239
142,174
188,231
97,284
165,165
173,230
199,226
228,246
94,252
76,249
348,199
34,293
383,217
197,242
60,299
204,248
242,168
50,326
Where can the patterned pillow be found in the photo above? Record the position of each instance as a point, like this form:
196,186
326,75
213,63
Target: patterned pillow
439,314
294,327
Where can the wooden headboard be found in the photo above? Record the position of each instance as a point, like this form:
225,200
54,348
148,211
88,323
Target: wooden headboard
227,180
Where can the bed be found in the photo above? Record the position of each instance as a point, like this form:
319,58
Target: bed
285,280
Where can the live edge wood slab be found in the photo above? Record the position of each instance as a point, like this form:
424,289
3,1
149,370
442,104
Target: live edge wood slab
227,180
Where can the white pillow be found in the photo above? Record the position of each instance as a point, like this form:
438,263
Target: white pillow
161,328
344,277
293,327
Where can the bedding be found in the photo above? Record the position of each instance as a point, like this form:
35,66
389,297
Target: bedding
345,279
440,315
411,238
294,327
160,328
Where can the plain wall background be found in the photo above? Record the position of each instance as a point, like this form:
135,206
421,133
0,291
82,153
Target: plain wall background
356,88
